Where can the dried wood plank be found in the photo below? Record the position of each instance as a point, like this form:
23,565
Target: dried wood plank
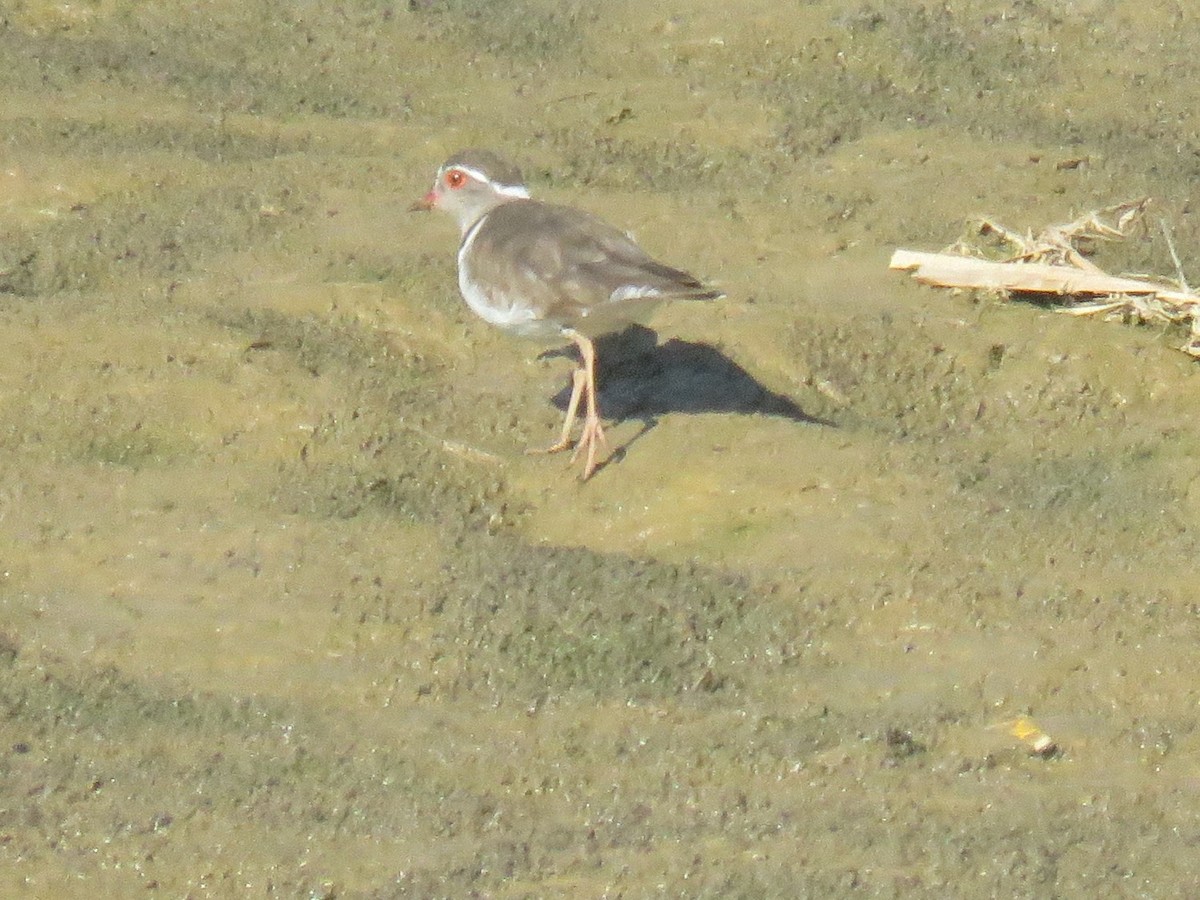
952,271
1051,264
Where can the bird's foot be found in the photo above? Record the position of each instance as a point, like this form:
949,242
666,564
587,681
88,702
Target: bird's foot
557,447
593,434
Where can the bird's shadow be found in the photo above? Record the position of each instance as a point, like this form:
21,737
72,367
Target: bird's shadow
638,378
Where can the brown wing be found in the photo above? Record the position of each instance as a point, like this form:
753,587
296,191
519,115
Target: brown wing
572,266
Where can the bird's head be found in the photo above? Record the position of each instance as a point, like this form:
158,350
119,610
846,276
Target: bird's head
472,182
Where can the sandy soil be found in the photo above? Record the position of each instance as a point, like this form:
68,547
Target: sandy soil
284,609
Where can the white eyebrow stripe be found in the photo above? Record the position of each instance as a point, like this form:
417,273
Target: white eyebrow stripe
512,190
506,190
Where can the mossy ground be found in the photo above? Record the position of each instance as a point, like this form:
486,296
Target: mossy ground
284,609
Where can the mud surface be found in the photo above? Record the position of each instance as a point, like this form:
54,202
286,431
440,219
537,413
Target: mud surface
284,609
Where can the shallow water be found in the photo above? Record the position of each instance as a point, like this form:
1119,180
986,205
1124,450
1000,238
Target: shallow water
285,609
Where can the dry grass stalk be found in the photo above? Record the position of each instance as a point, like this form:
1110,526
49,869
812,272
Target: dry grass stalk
1053,263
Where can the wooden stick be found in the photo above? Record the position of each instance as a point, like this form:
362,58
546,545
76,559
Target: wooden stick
947,270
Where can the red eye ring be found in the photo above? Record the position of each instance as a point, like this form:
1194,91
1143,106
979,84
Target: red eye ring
456,178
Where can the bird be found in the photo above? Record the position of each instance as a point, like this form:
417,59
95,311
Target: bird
545,271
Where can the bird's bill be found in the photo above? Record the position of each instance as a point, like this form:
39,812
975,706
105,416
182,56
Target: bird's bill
424,204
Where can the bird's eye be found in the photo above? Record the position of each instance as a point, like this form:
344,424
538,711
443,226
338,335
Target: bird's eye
456,178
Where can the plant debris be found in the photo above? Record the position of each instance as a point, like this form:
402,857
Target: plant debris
1052,263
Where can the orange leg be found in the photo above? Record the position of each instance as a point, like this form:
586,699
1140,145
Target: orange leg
564,441
583,384
593,433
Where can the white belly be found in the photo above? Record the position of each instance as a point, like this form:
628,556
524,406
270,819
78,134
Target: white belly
495,308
